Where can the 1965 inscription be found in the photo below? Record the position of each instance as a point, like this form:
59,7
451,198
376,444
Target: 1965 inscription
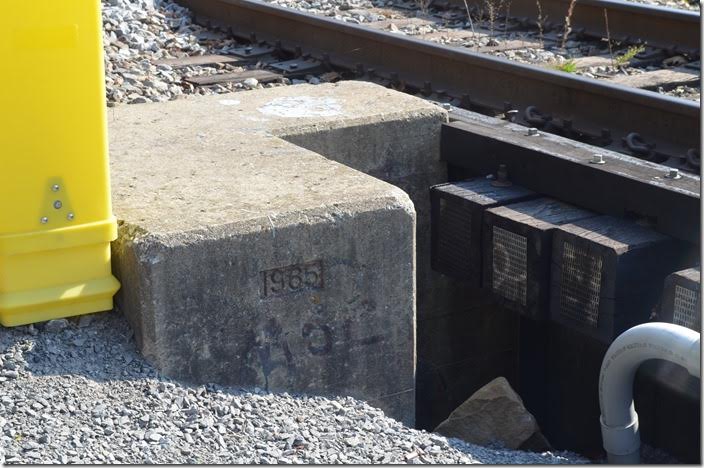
292,278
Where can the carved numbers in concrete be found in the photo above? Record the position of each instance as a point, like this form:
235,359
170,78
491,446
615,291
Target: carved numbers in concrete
291,279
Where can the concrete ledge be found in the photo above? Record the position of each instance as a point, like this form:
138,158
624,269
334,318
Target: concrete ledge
246,260
384,133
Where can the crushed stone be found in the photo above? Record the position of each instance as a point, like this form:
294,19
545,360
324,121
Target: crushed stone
82,393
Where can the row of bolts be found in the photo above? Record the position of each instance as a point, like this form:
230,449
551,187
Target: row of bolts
57,205
673,173
597,159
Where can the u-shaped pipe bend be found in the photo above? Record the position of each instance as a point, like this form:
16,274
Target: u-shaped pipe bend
619,420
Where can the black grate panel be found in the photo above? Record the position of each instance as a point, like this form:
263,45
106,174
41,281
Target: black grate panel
580,285
510,254
454,239
686,310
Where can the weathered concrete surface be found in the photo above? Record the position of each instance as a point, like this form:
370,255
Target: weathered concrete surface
389,135
396,138
246,260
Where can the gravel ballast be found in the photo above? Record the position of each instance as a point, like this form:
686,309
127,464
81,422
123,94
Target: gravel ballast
77,391
140,33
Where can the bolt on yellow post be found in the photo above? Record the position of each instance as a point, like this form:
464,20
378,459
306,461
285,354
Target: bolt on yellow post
56,219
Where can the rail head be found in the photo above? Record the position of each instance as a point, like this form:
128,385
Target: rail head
659,101
590,104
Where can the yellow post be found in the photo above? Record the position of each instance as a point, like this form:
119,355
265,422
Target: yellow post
56,219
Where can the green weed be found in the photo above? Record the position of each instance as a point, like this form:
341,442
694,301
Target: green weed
626,57
569,66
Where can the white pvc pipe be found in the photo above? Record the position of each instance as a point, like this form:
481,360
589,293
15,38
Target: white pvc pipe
619,421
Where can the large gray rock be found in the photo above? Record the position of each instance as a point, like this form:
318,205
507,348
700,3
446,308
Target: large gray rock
494,414
249,261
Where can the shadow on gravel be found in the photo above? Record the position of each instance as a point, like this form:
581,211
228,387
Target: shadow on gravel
79,391
493,456
99,347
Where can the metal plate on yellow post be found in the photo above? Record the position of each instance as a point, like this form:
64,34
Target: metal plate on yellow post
56,219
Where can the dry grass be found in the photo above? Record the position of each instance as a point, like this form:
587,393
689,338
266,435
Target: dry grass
492,8
469,17
540,23
608,37
568,22
424,5
508,13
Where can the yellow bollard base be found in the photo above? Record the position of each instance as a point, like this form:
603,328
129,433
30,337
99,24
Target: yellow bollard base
22,308
57,273
55,210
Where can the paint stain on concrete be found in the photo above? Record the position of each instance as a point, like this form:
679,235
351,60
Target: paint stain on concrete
229,102
255,119
302,106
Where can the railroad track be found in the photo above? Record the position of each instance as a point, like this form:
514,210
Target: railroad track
648,125
672,29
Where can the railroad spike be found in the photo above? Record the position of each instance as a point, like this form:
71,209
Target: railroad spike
511,115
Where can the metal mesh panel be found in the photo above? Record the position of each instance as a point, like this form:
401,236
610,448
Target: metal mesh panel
580,285
455,223
686,312
509,265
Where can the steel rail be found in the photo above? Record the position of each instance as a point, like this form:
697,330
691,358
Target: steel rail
669,28
591,105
